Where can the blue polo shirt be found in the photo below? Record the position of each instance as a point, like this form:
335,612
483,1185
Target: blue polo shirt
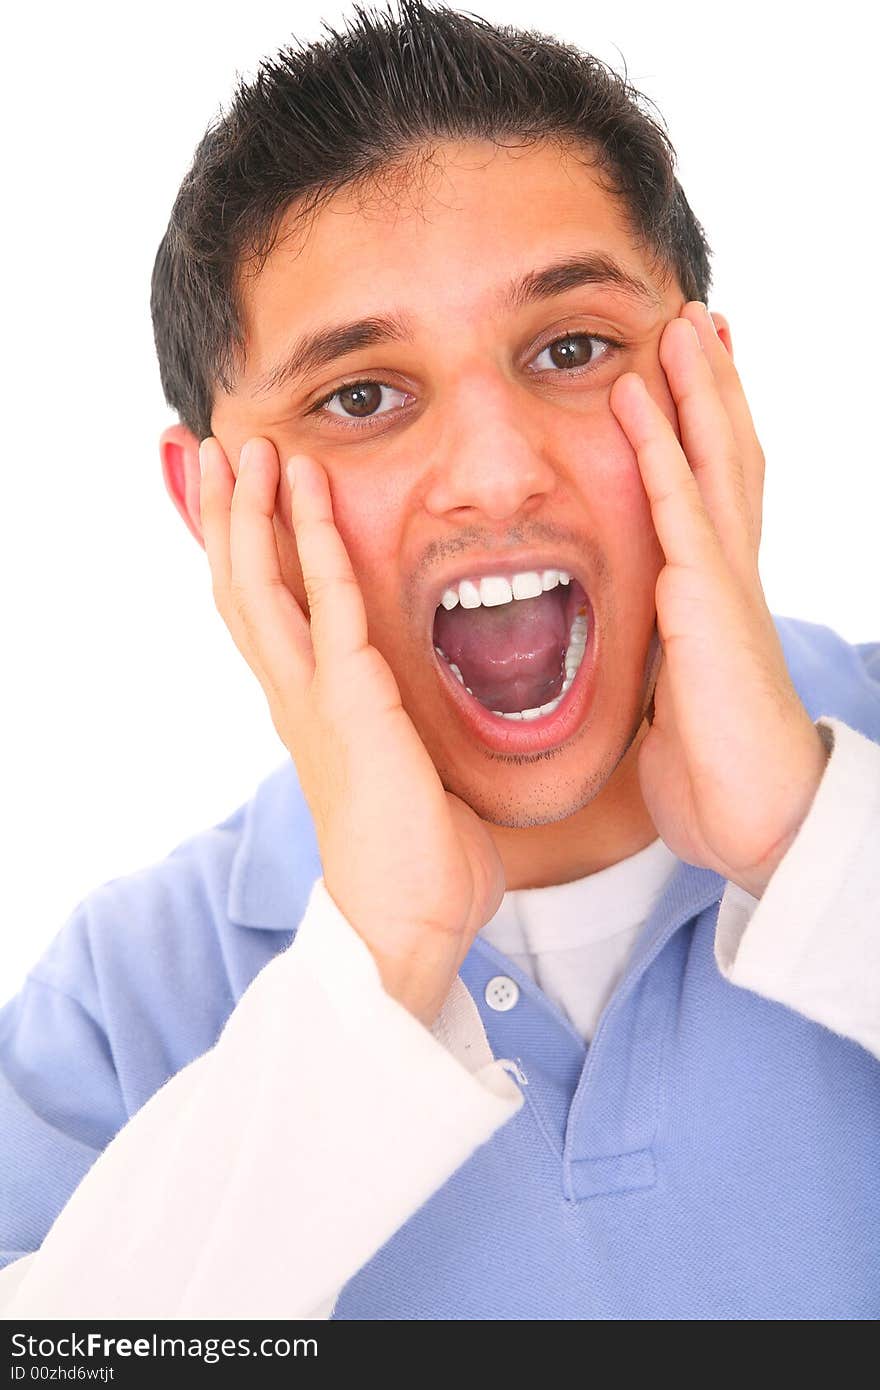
710,1154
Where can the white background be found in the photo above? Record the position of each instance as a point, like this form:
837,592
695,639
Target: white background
129,719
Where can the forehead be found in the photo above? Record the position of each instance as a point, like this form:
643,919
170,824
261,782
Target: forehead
441,237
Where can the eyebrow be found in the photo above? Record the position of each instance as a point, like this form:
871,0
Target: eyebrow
323,346
591,268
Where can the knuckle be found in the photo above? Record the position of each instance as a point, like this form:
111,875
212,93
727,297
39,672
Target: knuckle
320,588
240,608
316,588
675,590
237,597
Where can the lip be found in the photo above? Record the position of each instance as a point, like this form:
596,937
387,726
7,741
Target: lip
533,735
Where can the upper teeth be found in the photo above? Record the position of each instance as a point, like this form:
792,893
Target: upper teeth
495,589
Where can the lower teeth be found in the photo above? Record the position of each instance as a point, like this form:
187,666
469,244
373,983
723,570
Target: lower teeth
574,655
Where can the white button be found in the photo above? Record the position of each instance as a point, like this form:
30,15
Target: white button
501,993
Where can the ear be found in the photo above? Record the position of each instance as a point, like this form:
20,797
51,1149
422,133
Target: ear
179,452
723,328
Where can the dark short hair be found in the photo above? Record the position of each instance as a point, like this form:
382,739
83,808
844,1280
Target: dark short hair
354,103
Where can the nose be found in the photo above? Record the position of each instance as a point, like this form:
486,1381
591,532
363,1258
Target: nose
490,458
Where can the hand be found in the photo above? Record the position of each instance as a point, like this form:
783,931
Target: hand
410,865
732,761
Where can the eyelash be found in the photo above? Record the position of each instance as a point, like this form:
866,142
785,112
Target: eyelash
368,421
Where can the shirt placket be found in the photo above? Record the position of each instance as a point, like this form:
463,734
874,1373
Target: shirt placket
598,1105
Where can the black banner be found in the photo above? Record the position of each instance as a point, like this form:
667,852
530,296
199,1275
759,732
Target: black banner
193,1353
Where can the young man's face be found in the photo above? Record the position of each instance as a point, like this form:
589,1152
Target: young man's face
479,444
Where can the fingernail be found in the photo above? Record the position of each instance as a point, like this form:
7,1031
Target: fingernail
203,457
711,320
244,456
291,474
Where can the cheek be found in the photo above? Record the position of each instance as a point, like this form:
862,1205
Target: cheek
610,486
609,482
361,516
367,516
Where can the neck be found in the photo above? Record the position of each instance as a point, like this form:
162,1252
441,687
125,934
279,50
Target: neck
611,827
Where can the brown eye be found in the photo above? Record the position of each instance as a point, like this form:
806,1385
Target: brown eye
363,398
574,351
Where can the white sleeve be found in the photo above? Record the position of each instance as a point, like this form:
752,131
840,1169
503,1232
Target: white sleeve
262,1176
812,941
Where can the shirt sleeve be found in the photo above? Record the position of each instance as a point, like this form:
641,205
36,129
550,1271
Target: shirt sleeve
326,1113
812,941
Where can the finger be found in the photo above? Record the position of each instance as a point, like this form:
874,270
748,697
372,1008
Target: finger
733,396
709,442
277,628
215,501
215,495
681,521
336,606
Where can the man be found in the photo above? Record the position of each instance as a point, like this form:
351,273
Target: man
573,852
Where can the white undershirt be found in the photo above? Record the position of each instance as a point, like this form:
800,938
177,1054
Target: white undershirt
574,939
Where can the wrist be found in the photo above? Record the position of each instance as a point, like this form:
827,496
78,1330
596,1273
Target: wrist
421,990
756,879
416,965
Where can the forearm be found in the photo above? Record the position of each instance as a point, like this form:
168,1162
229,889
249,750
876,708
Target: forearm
228,1193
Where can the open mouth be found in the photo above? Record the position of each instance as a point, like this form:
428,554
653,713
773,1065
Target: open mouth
516,651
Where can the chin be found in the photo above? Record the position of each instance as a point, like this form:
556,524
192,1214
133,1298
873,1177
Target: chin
535,792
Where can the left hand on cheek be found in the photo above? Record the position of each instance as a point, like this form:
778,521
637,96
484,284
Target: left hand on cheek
732,761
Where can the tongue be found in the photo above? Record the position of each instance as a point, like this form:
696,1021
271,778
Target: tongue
511,656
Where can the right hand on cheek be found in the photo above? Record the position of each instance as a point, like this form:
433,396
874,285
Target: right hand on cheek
410,865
